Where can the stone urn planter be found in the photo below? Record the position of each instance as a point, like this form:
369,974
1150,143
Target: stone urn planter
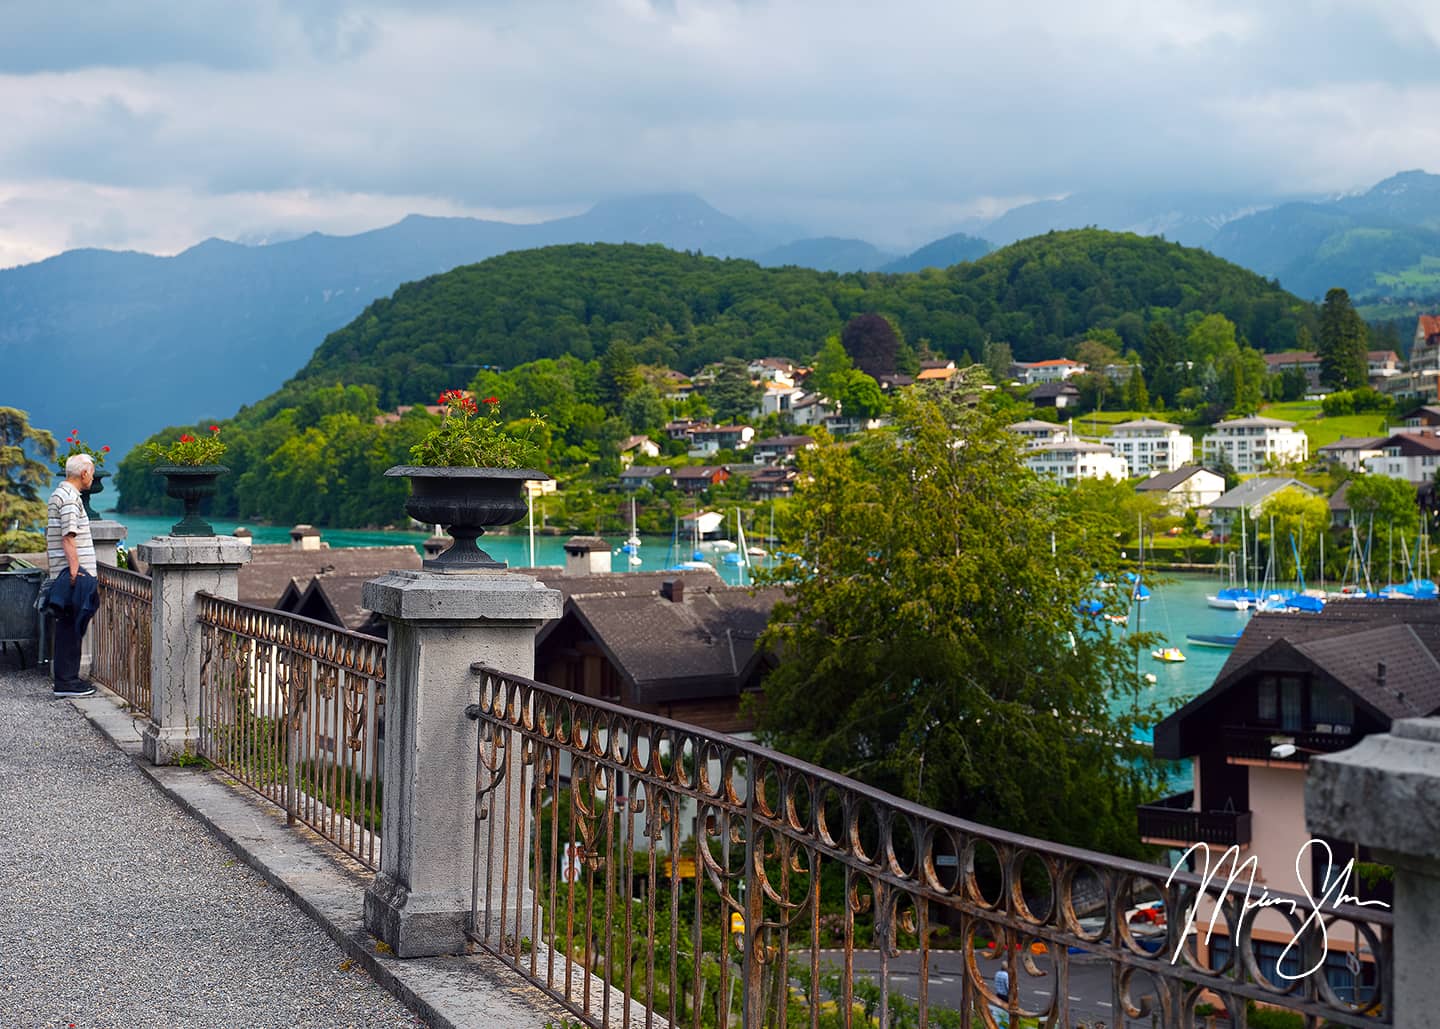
97,485
466,501
190,484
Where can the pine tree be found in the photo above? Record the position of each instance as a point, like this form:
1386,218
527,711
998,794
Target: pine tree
1344,342
1137,397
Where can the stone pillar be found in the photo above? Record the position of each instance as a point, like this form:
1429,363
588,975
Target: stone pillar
439,625
1384,793
107,536
180,567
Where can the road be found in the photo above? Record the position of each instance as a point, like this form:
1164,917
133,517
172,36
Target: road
1090,989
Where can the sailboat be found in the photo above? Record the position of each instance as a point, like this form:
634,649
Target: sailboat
632,545
1232,597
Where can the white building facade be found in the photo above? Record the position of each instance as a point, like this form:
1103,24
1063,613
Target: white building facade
1149,446
1068,463
1250,444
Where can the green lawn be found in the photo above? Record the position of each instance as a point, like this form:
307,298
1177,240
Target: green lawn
1307,416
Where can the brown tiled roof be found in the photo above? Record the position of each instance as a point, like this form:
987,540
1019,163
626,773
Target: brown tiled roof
1347,641
1429,325
271,566
703,646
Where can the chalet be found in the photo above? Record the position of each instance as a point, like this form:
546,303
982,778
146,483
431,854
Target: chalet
780,449
776,370
890,383
811,409
1413,456
1185,489
777,399
687,652
683,428
637,476
1339,505
775,481
335,599
702,477
1295,685
936,374
1249,497
635,447
1351,452
1058,395
268,575
1031,372
841,424
711,439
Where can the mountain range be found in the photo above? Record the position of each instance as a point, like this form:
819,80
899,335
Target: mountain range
175,340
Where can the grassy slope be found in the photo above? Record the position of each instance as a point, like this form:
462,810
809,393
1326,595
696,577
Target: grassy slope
1307,416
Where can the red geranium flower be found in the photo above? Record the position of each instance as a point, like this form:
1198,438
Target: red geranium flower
187,439
492,400
214,428
104,450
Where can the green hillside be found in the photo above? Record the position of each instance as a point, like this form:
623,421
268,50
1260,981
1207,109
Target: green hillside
685,310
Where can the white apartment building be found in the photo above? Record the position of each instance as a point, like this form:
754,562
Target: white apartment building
1037,433
1149,446
1413,456
1057,370
1068,463
1249,443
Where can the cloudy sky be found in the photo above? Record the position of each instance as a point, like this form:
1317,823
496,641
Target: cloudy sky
151,125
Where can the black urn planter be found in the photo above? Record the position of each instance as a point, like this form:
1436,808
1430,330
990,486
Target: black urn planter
466,501
190,484
97,485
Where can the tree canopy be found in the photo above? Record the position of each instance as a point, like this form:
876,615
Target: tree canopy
27,468
930,637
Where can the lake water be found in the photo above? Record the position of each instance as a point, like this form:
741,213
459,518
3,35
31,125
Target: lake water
1177,605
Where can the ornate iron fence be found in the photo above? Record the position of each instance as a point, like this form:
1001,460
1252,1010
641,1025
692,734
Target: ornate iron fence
645,872
293,708
120,636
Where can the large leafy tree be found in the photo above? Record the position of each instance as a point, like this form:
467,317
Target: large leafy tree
27,467
1344,342
1387,515
734,396
872,343
930,642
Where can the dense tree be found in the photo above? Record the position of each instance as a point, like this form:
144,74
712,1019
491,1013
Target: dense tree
1163,359
925,569
1291,522
619,373
829,369
860,396
1344,343
998,358
1387,514
1137,397
27,468
872,343
734,396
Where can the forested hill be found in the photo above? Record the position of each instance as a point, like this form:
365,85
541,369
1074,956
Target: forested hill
684,310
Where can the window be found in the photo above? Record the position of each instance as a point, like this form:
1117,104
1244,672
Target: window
1266,705
1330,704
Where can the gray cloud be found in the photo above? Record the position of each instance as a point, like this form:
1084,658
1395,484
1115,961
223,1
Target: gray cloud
847,118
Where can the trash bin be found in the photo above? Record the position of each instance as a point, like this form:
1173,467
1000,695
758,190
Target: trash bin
20,622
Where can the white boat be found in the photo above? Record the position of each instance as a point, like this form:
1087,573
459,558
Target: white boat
1170,655
756,551
722,546
632,545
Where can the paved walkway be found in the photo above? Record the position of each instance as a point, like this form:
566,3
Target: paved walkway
118,909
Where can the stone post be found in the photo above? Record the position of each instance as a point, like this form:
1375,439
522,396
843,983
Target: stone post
180,567
1384,793
439,625
107,536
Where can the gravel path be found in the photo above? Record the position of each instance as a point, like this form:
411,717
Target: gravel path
117,910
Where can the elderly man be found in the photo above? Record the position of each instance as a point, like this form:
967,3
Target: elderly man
72,595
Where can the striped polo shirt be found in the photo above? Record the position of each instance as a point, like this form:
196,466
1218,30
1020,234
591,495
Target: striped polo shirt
67,516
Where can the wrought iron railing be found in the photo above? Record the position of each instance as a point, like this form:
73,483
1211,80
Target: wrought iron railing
1173,820
120,636
1256,743
293,708
643,871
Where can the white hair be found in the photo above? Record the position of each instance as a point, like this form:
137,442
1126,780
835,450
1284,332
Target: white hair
76,464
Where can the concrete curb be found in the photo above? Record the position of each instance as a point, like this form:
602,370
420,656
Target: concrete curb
461,992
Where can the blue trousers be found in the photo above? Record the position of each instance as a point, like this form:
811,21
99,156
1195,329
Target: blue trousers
66,663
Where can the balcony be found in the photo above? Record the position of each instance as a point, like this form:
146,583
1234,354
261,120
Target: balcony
1255,743
1172,820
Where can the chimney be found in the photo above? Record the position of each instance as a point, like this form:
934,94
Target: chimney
1380,674
586,555
304,537
673,590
